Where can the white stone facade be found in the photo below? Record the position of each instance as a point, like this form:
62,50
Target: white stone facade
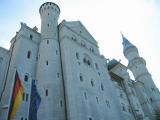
74,81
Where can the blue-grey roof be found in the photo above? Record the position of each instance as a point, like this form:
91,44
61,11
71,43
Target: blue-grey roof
127,44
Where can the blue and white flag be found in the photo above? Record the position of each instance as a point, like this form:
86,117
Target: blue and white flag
35,102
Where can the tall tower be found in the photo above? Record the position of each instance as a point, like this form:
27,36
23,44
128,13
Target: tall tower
138,67
49,73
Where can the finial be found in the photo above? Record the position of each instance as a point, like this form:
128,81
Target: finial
124,38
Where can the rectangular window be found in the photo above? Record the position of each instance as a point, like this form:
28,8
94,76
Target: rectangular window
46,92
31,37
26,78
23,97
58,75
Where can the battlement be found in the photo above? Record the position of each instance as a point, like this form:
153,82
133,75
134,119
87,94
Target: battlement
49,6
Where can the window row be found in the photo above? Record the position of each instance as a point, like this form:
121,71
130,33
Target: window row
82,43
87,60
49,7
22,118
92,82
97,100
29,53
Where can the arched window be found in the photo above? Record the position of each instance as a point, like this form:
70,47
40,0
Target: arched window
28,54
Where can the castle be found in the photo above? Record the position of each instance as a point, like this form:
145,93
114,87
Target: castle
74,81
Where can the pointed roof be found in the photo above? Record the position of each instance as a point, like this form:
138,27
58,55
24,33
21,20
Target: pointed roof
127,45
112,63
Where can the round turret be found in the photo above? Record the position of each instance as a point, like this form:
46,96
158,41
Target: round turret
129,50
49,13
49,6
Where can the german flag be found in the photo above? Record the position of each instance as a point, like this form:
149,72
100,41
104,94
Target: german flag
17,96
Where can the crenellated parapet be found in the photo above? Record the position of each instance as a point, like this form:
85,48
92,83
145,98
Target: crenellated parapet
49,6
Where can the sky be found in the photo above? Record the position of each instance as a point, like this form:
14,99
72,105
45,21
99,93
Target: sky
138,20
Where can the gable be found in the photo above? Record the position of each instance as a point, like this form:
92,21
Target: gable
79,29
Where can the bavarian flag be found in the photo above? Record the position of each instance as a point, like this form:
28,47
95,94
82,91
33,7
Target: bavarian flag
17,96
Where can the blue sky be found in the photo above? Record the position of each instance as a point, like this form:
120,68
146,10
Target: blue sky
139,20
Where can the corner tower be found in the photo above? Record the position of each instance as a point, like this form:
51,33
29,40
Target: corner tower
49,75
138,67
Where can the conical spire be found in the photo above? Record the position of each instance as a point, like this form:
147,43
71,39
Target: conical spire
125,40
127,45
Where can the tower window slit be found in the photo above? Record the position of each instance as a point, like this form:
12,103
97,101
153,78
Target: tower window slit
46,92
81,77
47,62
28,54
